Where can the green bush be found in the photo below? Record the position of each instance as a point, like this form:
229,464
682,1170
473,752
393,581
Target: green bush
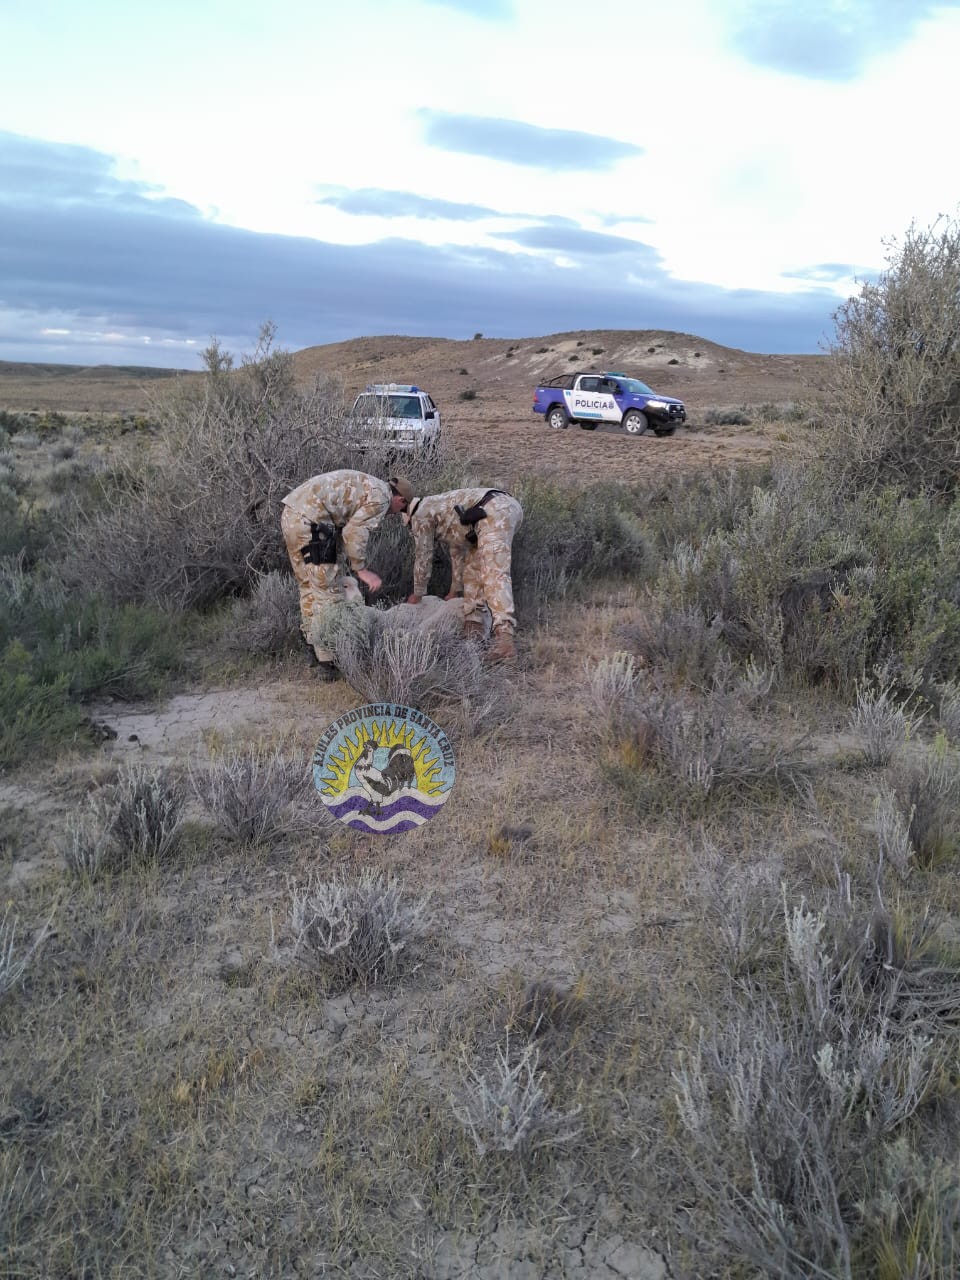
568,535
90,645
895,387
914,544
813,584
36,715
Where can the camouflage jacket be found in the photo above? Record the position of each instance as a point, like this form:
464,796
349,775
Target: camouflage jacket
434,518
353,501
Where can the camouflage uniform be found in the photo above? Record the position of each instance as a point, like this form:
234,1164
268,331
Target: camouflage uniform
482,572
355,504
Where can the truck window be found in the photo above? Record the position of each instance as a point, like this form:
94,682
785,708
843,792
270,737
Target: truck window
390,406
589,384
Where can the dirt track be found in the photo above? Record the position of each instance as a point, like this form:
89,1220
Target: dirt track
507,449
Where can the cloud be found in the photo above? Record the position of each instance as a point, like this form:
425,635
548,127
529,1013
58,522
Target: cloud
575,241
827,39
161,282
492,9
617,219
377,203
514,142
63,175
832,272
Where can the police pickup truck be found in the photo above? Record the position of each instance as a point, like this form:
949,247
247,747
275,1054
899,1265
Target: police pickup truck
397,416
592,398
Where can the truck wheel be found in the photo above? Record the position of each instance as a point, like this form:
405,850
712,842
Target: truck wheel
635,423
557,418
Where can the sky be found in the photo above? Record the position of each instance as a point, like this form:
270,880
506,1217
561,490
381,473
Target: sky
731,169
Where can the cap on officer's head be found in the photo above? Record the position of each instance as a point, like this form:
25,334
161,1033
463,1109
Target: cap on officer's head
402,487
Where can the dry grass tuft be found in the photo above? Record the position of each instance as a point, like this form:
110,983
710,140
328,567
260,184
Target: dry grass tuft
135,820
15,959
250,793
881,721
355,931
507,1109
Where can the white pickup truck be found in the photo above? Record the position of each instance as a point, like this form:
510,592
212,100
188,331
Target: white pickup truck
397,414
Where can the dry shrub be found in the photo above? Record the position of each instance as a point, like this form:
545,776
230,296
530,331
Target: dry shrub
893,834
354,932
611,681
710,747
790,1101
680,642
249,793
506,1109
740,903
133,821
950,710
928,795
267,622
729,417
882,722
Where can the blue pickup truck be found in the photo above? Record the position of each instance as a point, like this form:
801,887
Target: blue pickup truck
592,398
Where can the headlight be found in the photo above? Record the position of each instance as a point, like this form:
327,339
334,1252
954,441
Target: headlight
656,404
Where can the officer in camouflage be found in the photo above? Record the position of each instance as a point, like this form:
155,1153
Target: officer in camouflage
477,526
324,514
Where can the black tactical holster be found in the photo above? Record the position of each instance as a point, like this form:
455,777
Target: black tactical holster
322,547
471,516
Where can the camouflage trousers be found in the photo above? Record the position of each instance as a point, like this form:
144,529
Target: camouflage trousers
321,585
486,572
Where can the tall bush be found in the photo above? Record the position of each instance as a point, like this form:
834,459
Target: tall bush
200,521
896,370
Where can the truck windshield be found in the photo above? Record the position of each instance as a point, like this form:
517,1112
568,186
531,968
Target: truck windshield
389,406
635,387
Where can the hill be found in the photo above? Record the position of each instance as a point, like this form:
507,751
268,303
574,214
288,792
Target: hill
702,373
503,370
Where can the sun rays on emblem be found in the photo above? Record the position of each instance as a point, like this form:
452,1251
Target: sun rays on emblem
339,764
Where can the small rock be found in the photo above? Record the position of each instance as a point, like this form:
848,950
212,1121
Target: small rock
636,1263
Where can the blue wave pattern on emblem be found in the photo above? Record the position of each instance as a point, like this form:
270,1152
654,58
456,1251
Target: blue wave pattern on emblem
411,809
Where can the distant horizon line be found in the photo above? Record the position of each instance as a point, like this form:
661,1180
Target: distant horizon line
162,370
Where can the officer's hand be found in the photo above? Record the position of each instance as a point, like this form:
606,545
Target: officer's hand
370,580
453,595
414,599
